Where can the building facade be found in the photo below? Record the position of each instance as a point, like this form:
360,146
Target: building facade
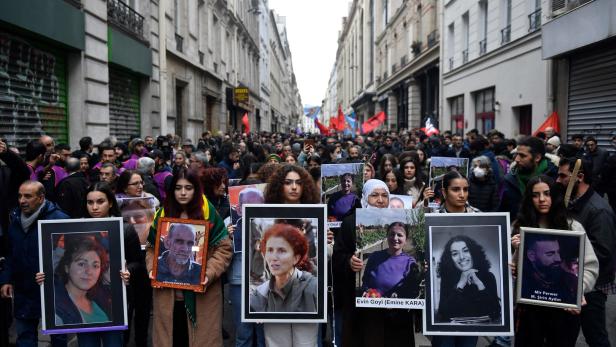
584,66
493,75
388,60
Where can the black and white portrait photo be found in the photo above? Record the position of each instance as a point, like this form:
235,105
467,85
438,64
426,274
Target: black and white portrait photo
469,284
84,293
284,264
550,270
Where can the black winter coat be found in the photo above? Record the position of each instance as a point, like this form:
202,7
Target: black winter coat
71,194
483,195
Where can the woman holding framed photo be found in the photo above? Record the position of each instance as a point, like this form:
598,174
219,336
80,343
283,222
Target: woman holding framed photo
543,207
455,200
290,184
183,317
82,295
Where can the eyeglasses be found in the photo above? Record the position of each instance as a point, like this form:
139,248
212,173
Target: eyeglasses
140,183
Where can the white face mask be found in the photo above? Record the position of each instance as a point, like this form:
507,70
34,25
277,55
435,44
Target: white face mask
479,172
339,156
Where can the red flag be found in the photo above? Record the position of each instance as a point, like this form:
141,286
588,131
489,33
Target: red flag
551,121
322,128
340,122
246,123
430,129
333,123
373,123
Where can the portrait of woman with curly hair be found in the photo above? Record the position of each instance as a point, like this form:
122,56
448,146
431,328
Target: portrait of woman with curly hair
468,288
291,184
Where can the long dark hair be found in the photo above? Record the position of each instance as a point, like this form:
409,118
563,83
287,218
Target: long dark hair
419,179
558,217
194,208
275,187
103,187
76,245
447,270
212,178
386,157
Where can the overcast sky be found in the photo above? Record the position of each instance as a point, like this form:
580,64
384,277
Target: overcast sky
312,28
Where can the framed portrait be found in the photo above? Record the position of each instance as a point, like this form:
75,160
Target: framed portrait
341,186
551,268
238,196
468,287
390,242
181,249
140,213
83,290
284,246
400,201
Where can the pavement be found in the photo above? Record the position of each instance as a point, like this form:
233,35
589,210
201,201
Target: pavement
420,340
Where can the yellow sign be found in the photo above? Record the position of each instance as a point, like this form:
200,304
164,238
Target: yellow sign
241,94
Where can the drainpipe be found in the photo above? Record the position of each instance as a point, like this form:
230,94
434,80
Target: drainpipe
162,64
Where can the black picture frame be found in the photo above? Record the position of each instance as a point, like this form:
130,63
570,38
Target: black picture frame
487,311
258,218
59,315
568,291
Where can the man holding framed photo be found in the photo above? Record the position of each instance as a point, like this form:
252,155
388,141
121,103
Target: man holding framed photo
18,278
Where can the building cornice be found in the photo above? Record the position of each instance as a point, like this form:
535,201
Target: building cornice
428,57
391,23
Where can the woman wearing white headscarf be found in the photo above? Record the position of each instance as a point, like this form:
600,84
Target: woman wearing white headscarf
363,326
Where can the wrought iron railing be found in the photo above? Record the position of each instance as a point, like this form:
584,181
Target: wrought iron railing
432,39
201,58
483,46
465,56
403,60
506,34
394,68
534,20
122,15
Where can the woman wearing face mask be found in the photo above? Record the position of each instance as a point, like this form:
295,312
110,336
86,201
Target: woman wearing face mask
183,317
483,191
455,200
543,207
361,326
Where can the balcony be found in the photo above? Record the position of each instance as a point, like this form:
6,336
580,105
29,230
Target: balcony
201,58
125,17
465,56
506,34
394,68
403,60
534,20
451,63
432,39
560,7
179,43
483,46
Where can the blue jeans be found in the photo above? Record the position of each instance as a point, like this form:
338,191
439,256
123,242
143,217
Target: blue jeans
454,341
107,338
244,332
27,334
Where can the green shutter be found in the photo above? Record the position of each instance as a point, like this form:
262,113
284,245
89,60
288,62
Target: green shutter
124,108
33,91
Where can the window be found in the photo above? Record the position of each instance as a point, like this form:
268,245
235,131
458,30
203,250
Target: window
450,44
483,26
506,31
484,110
465,38
456,106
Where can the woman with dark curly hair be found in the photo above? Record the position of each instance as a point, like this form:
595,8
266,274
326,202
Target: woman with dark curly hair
215,182
388,163
468,288
291,184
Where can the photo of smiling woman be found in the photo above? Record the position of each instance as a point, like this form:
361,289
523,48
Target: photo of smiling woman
81,294
468,289
291,288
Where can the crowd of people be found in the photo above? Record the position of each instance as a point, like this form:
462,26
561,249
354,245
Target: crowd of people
526,177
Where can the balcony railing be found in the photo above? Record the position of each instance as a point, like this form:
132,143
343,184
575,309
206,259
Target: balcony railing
465,56
179,43
394,68
432,39
125,17
534,20
201,58
483,45
403,60
451,63
506,34
385,75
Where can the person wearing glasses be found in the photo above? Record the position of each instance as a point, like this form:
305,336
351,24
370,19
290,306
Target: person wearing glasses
130,185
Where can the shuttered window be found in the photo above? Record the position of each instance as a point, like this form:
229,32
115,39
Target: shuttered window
592,94
33,91
124,107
